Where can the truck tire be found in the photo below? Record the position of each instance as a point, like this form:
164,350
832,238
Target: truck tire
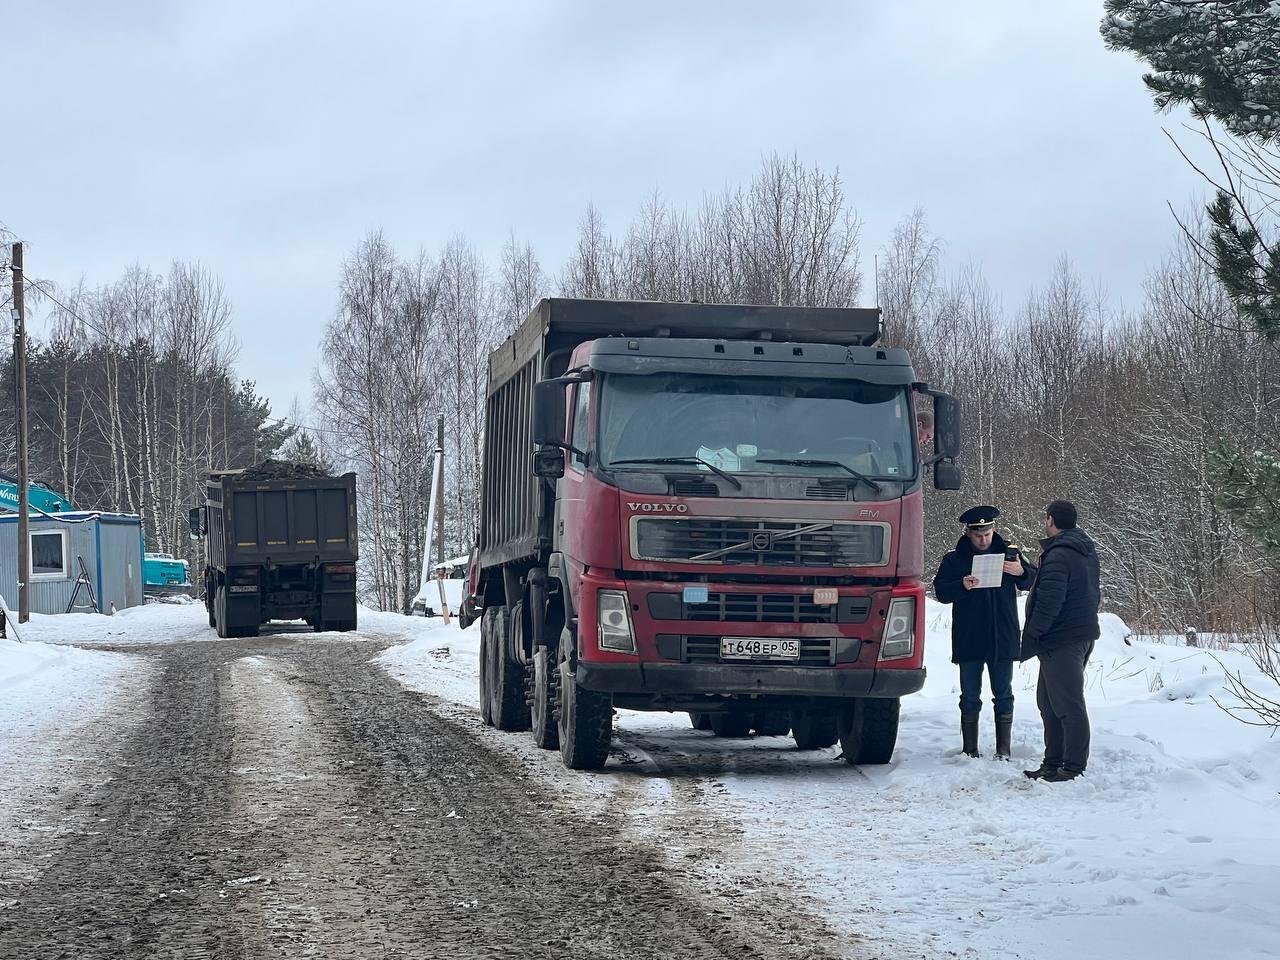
220,612
546,682
508,707
734,724
700,721
584,721
486,654
210,595
772,723
814,729
869,730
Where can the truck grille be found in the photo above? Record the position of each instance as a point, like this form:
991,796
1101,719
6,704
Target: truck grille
774,543
760,608
814,651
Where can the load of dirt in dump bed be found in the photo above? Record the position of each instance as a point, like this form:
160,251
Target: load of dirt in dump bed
282,470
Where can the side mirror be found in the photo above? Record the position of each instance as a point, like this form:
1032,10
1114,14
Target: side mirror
548,412
548,463
195,519
947,476
946,420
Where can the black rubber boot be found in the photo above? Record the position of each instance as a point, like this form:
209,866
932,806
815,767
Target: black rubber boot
1040,772
1004,737
969,734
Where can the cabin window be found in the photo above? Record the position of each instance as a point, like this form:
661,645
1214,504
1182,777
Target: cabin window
49,560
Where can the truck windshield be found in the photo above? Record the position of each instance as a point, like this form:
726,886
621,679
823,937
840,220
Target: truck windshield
739,423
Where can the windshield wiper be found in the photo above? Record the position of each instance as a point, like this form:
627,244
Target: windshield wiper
710,466
801,462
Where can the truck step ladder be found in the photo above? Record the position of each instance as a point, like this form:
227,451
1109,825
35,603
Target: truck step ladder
85,581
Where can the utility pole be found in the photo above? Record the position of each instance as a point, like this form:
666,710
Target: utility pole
24,481
440,500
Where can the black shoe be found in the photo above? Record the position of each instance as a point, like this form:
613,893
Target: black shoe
1061,776
1041,772
969,734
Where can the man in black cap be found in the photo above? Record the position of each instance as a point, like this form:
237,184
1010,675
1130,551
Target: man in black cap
984,624
1062,625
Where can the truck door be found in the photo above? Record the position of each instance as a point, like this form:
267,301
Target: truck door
571,494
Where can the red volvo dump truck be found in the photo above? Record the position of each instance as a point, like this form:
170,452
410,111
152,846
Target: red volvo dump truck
705,508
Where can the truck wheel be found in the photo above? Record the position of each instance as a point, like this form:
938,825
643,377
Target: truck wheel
772,723
731,724
814,729
210,597
584,720
506,681
546,680
486,654
220,612
869,730
700,721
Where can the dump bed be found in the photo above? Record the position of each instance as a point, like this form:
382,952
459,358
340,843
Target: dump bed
285,521
514,510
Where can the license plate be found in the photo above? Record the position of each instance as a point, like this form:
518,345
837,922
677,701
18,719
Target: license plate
758,648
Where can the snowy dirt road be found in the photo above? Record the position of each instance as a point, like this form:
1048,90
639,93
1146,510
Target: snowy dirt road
283,796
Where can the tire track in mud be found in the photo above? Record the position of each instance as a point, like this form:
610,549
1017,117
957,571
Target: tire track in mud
286,798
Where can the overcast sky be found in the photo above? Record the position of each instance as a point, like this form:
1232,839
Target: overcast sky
264,139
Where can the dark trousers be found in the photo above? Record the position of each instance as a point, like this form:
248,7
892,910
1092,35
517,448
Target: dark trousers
1060,697
1000,675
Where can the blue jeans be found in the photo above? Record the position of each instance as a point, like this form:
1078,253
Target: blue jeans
1000,675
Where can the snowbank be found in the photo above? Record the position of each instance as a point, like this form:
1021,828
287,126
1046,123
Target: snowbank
1169,846
433,658
56,704
149,623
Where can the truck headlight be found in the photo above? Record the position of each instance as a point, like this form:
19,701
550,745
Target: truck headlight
614,617
899,630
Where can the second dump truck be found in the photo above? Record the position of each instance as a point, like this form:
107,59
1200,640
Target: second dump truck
707,508
280,544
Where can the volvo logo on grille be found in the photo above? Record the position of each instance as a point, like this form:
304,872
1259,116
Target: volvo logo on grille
761,540
659,507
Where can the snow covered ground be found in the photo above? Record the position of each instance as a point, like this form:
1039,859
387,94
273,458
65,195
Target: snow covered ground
61,708
1169,846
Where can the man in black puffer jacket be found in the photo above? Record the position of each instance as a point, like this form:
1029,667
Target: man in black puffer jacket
984,625
1061,627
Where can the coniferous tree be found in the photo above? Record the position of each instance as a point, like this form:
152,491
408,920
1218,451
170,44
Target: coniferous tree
1222,60
1219,57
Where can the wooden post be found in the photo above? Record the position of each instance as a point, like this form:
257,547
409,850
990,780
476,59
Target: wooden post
24,479
444,601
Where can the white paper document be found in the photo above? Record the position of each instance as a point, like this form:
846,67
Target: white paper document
988,568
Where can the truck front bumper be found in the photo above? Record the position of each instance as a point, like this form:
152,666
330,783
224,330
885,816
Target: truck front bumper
678,679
